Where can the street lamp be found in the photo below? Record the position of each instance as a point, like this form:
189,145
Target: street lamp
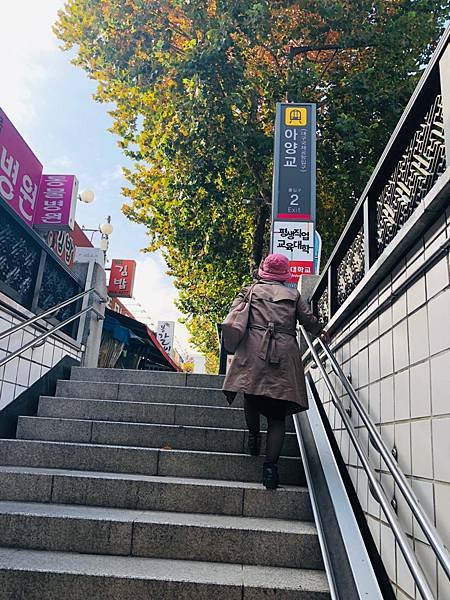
106,230
86,196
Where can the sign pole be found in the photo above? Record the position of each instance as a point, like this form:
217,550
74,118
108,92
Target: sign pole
294,187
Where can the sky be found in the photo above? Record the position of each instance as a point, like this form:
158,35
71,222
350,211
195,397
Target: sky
49,100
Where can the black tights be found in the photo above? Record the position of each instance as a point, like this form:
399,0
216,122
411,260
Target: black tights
276,428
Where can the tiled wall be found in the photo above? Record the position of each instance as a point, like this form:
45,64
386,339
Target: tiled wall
400,366
23,371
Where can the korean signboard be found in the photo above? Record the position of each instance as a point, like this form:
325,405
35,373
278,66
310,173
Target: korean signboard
294,187
62,244
164,335
56,203
20,171
121,279
295,240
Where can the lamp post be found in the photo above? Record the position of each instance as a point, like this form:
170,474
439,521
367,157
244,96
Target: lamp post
106,230
295,50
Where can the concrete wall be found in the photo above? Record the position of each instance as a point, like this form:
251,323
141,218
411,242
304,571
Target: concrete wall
23,371
400,366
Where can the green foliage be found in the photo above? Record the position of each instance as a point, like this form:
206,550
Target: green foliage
194,84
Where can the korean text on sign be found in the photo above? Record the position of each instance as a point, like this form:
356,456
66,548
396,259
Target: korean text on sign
165,334
121,279
294,164
295,241
56,204
20,171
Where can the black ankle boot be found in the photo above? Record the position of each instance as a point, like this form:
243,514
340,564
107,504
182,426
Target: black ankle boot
270,476
254,443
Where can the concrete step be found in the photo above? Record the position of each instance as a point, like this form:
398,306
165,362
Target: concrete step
147,377
147,412
183,536
41,575
27,484
142,393
146,461
143,435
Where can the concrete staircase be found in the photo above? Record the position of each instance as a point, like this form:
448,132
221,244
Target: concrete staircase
135,485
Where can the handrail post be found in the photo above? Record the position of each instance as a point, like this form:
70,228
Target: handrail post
370,231
444,70
332,290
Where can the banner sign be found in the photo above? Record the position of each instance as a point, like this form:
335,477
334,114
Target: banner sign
295,240
164,335
20,171
294,187
294,175
56,203
121,279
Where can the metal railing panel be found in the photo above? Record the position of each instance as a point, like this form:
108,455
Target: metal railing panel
375,486
412,162
406,490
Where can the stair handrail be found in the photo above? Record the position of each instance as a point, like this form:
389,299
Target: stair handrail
50,311
38,340
405,488
375,486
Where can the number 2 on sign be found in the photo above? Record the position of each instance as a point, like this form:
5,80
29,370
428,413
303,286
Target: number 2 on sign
294,200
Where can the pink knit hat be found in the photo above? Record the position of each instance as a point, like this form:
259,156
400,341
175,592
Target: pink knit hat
275,268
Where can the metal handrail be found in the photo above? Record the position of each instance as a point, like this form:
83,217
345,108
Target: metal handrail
40,339
376,488
48,312
37,341
317,519
426,525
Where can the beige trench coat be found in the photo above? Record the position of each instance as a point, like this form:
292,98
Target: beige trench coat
268,363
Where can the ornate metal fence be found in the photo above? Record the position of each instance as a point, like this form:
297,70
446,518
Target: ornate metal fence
30,272
411,164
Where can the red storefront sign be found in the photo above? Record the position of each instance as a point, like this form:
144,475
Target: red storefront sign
300,267
121,279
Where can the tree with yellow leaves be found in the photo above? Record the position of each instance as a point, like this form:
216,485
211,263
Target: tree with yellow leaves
194,85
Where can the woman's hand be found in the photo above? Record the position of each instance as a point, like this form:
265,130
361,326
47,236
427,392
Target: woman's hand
325,336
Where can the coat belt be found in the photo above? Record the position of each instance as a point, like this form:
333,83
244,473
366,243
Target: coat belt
268,343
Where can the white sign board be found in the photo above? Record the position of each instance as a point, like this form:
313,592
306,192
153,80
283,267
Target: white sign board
87,255
295,240
164,334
